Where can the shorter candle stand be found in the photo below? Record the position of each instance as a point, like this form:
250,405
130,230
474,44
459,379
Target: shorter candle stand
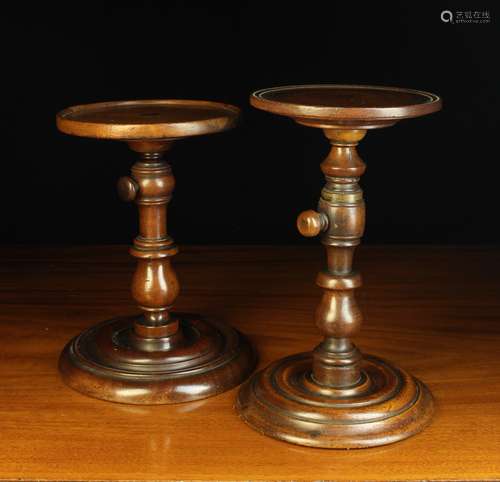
158,356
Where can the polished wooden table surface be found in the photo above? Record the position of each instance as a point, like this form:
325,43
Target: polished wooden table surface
432,310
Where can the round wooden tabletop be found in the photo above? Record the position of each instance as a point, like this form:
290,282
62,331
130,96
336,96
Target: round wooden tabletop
350,103
147,119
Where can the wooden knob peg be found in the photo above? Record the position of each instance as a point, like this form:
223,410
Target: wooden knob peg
127,188
310,223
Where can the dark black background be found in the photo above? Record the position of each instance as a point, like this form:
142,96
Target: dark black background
429,180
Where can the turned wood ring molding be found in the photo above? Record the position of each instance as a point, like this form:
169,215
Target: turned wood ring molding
147,119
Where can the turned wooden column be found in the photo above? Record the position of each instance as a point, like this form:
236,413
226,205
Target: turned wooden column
341,221
159,355
334,397
154,285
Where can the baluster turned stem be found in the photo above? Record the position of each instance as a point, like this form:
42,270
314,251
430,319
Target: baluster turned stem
336,361
154,284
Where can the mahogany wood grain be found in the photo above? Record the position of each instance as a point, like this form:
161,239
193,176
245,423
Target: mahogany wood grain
147,119
330,105
435,311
